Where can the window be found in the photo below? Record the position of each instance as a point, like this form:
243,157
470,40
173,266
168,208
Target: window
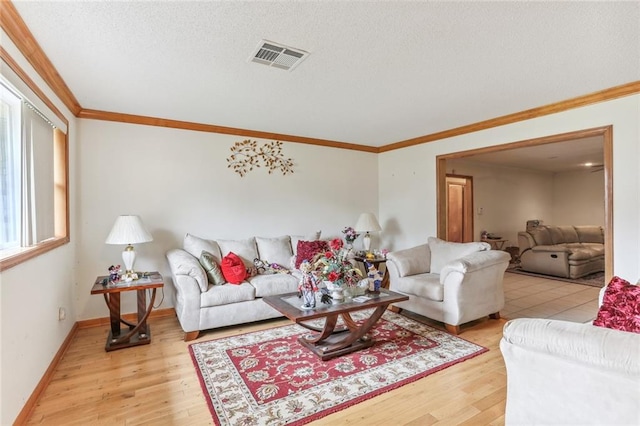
33,175
10,170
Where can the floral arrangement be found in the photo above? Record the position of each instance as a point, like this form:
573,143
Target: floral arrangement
350,234
334,265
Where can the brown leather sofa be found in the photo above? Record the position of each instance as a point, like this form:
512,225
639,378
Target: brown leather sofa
563,251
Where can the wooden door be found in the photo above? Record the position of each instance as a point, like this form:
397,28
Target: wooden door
459,215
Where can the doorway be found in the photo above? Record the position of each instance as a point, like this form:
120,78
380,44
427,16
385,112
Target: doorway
606,135
459,208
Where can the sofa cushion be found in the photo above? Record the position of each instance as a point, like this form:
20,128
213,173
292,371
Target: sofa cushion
306,250
275,250
443,252
585,253
565,234
196,245
411,261
233,268
245,249
541,236
225,294
310,237
269,285
422,285
590,234
620,308
210,265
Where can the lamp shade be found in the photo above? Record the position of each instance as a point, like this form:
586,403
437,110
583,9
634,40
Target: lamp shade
128,229
367,222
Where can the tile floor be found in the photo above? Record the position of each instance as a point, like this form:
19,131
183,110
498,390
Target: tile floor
533,297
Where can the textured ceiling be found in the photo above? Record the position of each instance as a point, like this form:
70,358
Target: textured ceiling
378,72
577,154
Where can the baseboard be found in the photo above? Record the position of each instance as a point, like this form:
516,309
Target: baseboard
132,317
24,414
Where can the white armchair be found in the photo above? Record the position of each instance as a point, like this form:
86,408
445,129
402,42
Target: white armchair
449,282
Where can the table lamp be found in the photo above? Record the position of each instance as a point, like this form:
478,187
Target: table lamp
367,222
129,230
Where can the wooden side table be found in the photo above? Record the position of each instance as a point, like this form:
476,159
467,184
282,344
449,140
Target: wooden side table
376,263
140,333
496,244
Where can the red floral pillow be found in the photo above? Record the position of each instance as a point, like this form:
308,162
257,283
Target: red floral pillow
620,308
233,269
306,250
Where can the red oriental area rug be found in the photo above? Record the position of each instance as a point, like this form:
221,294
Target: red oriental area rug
267,377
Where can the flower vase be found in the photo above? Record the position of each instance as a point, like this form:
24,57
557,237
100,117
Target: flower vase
336,292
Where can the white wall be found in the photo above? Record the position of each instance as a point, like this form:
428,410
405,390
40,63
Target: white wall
408,176
578,198
507,196
178,182
32,292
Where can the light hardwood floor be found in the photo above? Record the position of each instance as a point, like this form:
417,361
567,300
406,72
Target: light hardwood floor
157,384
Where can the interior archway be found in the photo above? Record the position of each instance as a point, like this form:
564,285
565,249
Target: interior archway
606,133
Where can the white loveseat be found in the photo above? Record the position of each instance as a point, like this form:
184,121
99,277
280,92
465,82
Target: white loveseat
201,305
453,283
564,373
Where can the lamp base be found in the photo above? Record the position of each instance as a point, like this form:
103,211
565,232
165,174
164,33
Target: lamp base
129,259
366,242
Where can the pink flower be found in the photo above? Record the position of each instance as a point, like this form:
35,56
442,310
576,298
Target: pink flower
336,244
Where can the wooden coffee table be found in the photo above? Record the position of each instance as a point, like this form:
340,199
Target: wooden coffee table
334,340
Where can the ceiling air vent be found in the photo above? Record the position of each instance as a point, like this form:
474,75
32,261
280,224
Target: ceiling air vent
278,55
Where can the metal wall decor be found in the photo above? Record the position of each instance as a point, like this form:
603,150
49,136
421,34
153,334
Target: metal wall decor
247,154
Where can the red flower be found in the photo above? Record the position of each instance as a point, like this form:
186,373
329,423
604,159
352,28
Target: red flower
333,276
329,255
336,244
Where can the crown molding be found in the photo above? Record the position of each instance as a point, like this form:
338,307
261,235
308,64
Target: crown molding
580,101
93,114
17,30
15,27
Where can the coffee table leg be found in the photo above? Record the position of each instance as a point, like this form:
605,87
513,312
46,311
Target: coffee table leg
329,345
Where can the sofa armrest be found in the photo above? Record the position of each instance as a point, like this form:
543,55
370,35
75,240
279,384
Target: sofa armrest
183,263
473,286
599,347
475,262
188,278
560,372
525,241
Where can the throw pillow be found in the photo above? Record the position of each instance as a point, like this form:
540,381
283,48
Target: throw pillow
313,236
443,252
620,308
208,262
233,268
195,245
275,250
245,249
306,250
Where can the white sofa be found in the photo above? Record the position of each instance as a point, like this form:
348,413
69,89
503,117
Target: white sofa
200,305
564,373
453,283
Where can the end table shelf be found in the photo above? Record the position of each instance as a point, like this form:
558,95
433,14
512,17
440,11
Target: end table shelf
139,333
